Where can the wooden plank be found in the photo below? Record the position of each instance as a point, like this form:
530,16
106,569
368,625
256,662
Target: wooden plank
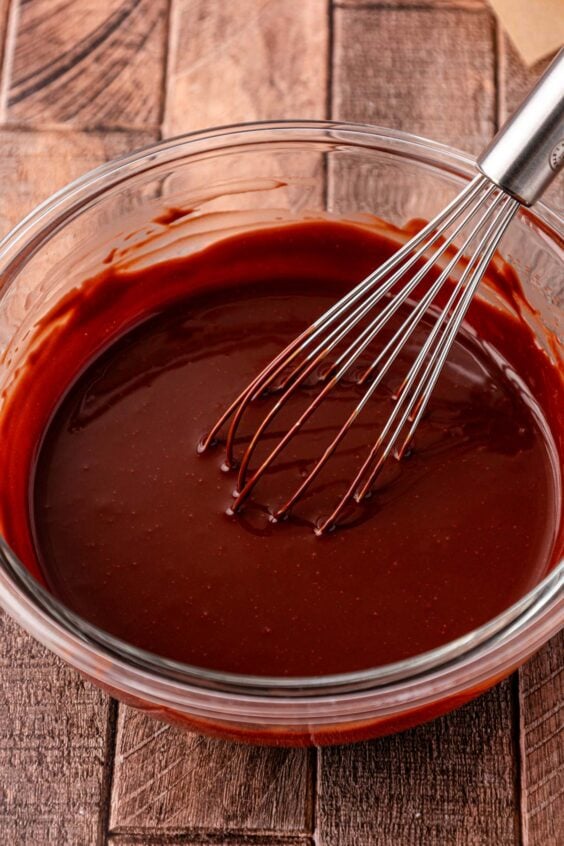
169,779
53,744
253,60
446,92
259,59
541,694
87,64
541,680
54,728
451,781
35,164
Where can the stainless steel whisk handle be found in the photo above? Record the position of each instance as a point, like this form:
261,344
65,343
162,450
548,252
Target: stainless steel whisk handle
528,151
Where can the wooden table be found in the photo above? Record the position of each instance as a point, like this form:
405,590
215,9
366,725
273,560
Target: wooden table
85,80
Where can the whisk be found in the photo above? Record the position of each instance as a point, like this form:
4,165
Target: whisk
515,169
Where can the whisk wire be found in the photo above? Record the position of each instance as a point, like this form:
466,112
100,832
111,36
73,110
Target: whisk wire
506,215
299,344
353,351
480,214
463,292
394,346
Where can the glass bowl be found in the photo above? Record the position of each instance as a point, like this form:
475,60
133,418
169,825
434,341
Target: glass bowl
176,197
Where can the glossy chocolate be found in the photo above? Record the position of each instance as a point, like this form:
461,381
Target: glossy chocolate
128,523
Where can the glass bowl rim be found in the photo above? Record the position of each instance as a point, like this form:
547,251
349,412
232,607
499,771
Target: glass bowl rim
23,597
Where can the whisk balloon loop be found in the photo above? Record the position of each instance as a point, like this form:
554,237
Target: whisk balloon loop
431,279
281,362
385,358
406,401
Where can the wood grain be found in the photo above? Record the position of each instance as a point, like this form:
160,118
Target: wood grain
253,60
226,63
53,744
168,779
424,65
541,680
53,726
386,73
453,781
34,165
541,689
449,782
88,64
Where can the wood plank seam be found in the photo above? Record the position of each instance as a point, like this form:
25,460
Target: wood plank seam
516,734
108,774
172,27
154,837
541,752
167,59
518,759
8,49
315,762
66,129
314,785
445,5
498,46
195,833
330,61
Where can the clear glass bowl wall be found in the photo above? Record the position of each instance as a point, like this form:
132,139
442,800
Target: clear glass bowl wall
233,178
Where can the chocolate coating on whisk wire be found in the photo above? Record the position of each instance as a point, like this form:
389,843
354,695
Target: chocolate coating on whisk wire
377,299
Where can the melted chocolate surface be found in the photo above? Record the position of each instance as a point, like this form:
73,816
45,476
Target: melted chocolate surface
129,524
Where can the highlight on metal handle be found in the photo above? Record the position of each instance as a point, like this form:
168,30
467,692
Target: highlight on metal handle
528,151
